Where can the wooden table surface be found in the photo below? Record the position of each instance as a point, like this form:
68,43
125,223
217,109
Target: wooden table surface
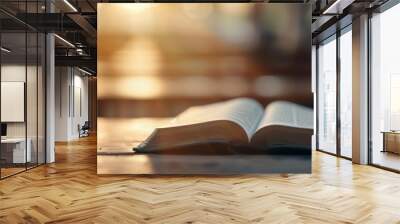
130,132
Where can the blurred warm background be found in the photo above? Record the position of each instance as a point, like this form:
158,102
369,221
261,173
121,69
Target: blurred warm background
158,59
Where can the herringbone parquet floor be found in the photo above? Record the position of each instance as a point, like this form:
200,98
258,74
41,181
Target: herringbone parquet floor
69,191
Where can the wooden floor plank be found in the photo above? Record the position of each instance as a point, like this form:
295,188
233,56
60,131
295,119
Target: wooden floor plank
70,191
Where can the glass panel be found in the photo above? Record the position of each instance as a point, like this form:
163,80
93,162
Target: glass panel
32,88
23,90
13,89
31,99
41,98
346,94
385,84
327,96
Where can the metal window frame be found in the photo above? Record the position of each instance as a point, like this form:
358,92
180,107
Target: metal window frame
333,37
381,9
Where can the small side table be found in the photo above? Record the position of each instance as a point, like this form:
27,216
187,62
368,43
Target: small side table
391,141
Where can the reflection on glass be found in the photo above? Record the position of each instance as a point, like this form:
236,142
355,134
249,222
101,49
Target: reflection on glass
346,94
385,89
41,99
31,99
22,92
15,149
327,96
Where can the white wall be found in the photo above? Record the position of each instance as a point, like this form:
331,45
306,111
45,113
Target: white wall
80,105
71,94
62,81
15,73
13,101
33,126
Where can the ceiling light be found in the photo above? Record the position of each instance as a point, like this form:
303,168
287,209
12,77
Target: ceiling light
5,50
70,5
65,41
84,71
337,7
79,51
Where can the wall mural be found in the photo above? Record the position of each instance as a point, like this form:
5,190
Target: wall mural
210,88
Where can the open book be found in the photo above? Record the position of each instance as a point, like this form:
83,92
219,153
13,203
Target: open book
235,126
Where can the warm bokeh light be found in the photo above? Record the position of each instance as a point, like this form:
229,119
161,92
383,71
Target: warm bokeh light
140,87
270,86
176,55
137,57
149,87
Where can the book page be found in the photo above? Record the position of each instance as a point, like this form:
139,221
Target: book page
287,114
245,112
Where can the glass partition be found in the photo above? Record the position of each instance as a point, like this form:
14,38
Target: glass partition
14,153
31,100
41,96
385,89
327,95
346,93
22,92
